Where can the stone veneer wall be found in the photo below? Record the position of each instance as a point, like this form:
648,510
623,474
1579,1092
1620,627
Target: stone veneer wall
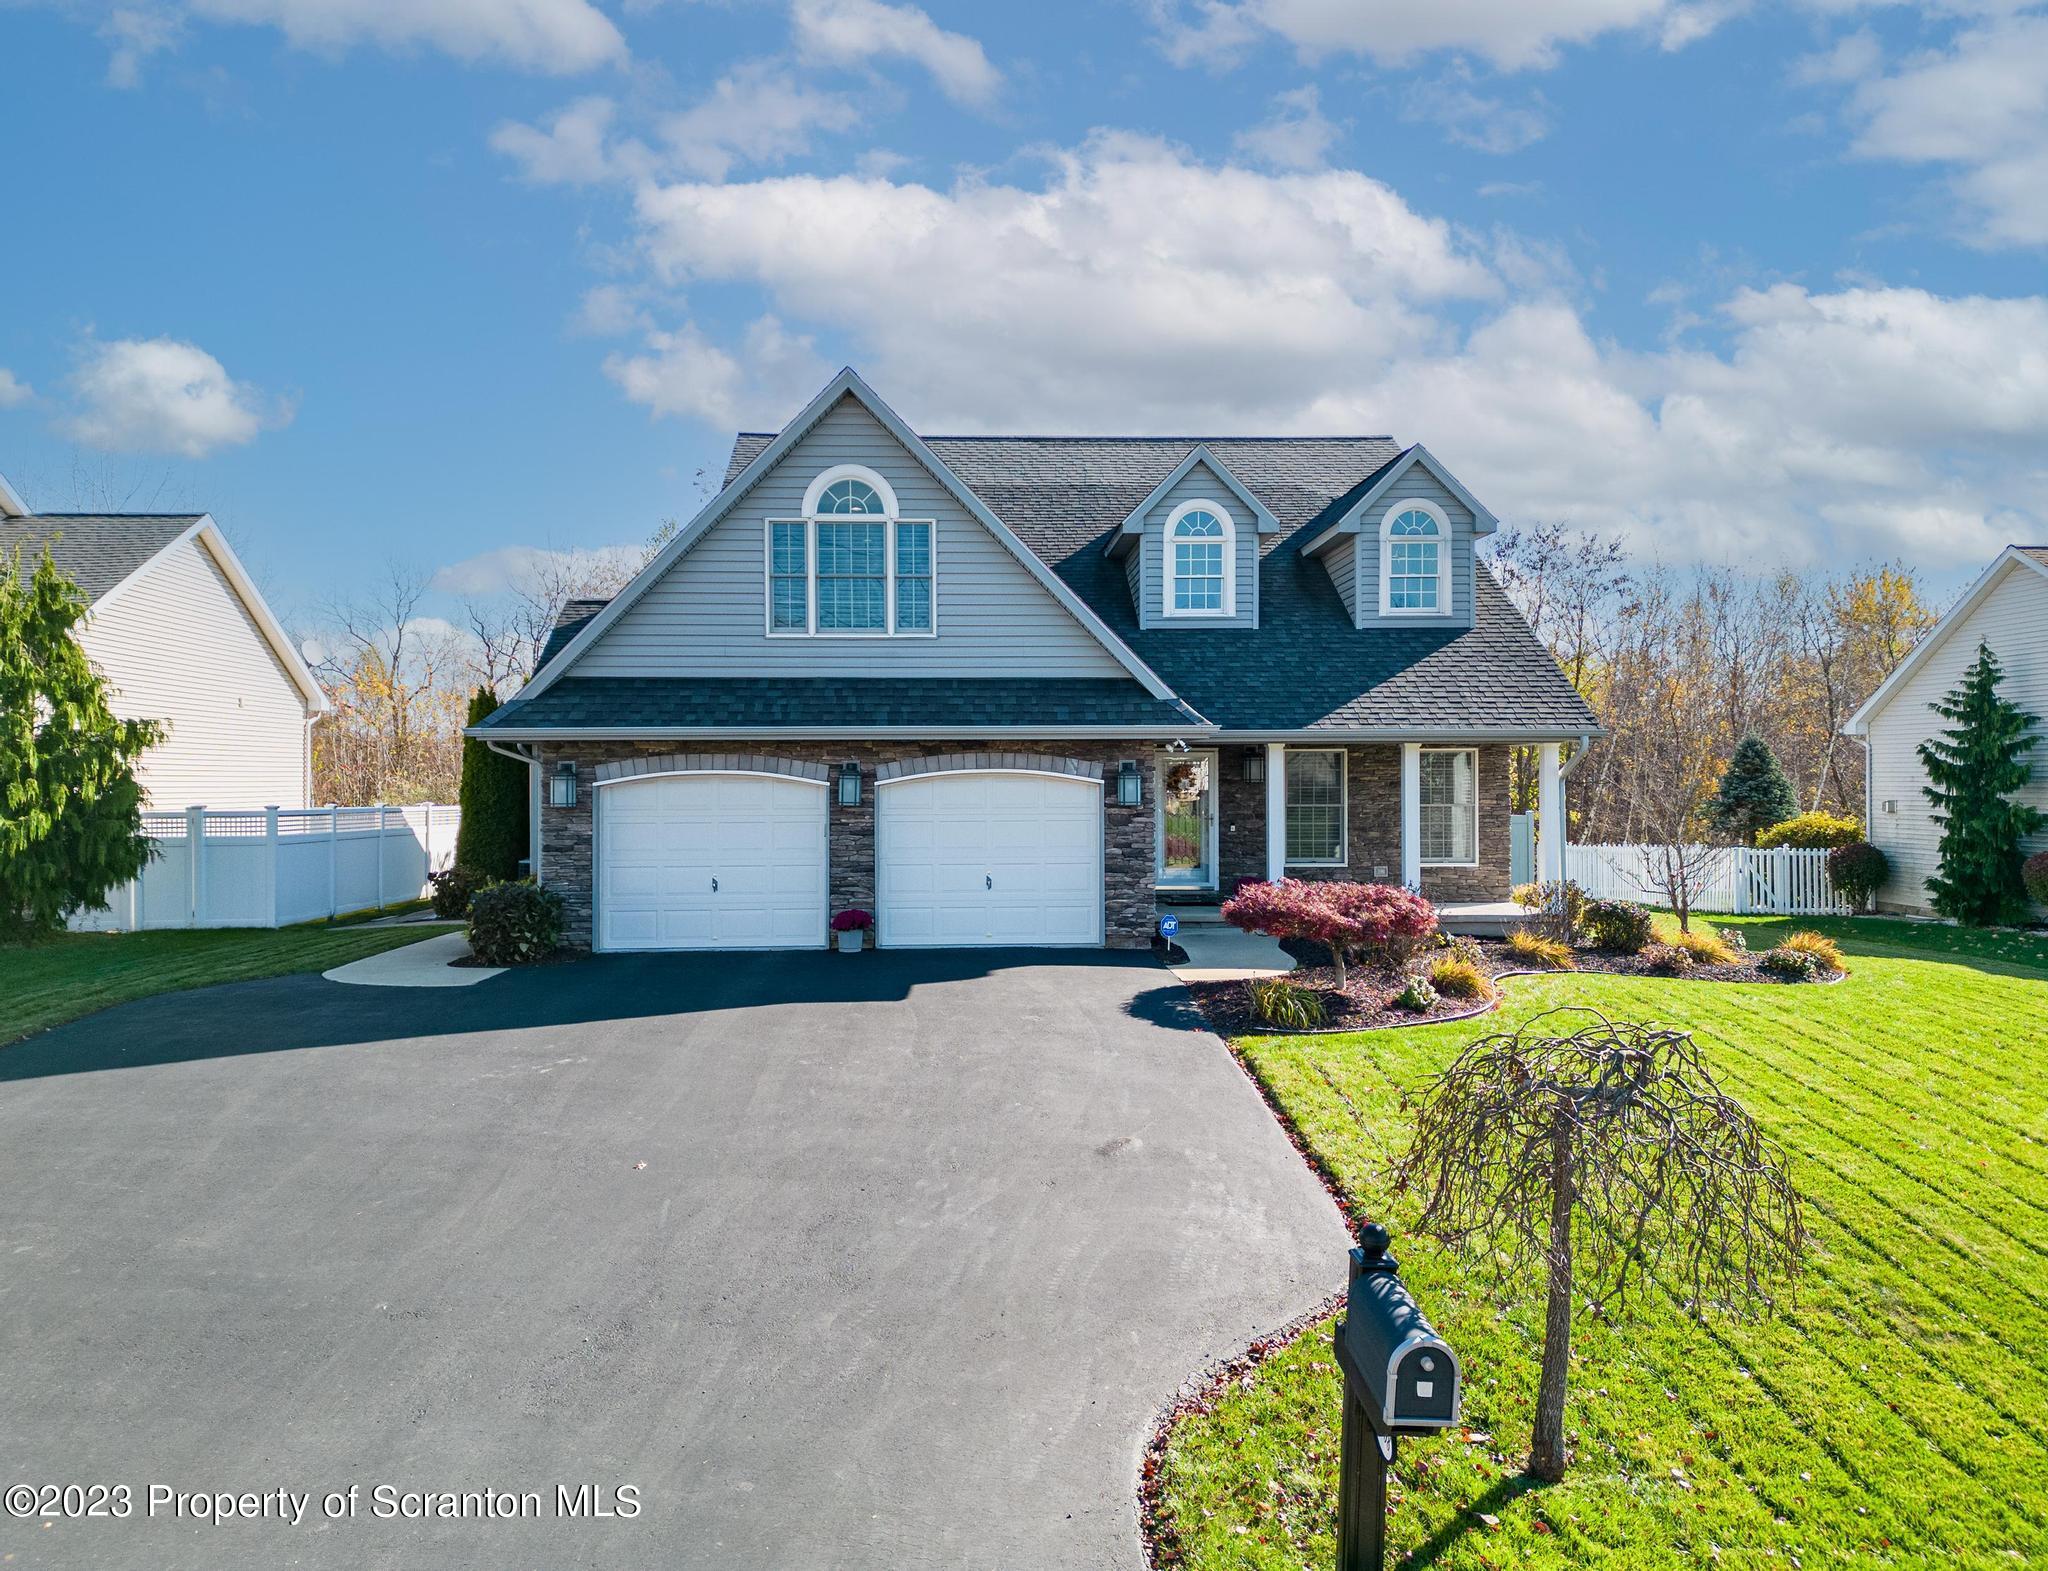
1127,852
1373,810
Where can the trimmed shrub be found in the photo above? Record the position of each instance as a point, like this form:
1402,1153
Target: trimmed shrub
450,892
1667,960
1620,925
2035,873
1789,964
1826,953
1557,910
514,924
1536,950
1418,997
1457,978
1285,1004
1812,832
1858,872
1707,947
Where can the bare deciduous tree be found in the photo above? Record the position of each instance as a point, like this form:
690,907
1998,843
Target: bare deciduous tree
1607,1155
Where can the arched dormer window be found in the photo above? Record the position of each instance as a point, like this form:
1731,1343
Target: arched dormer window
1201,561
849,567
1415,561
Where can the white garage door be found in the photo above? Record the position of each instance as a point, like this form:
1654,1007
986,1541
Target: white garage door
711,862
972,858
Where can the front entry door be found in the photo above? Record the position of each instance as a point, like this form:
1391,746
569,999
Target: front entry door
1187,821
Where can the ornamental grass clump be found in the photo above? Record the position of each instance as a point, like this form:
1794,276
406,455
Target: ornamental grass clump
1455,977
1827,954
1545,953
1707,947
1285,1004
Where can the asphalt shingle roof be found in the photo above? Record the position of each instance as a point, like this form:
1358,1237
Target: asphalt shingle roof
568,623
1305,667
96,550
2038,552
939,705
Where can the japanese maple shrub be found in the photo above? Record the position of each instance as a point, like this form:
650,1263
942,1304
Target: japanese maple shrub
1344,918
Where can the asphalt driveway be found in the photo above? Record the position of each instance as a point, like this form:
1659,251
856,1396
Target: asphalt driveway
875,1262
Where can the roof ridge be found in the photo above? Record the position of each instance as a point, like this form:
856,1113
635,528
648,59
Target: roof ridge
139,518
1030,436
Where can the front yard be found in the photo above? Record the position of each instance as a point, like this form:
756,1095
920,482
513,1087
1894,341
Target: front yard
78,973
1897,1414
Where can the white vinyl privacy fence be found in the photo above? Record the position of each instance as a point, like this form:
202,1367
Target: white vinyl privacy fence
1734,879
272,866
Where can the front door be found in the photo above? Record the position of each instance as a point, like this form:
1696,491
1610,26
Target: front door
1187,821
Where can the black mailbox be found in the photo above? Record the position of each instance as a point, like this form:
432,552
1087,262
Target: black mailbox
1406,1377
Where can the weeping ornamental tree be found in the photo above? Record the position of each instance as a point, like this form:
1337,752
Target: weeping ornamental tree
1602,1156
70,808
1973,768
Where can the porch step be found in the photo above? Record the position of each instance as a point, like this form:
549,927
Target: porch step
1192,913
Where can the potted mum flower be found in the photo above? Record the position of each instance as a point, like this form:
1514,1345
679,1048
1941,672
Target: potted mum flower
851,926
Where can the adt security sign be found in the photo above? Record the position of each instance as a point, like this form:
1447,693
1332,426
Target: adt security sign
1168,926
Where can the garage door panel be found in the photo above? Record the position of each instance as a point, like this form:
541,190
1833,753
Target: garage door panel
666,839
988,858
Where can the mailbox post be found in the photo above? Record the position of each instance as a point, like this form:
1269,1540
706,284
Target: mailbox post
1400,1378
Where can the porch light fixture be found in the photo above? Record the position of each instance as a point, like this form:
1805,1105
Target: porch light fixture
1255,764
849,784
562,785
1130,789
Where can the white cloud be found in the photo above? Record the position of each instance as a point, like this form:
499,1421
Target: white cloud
855,32
574,148
555,36
1296,136
14,392
1979,106
1486,125
1510,34
158,395
136,32
683,373
525,568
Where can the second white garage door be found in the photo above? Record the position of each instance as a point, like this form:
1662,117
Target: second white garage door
989,858
711,861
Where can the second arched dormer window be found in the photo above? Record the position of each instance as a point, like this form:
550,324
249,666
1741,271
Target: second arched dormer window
1201,561
1415,561
850,566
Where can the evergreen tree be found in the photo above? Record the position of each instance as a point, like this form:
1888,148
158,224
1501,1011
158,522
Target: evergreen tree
495,809
70,807
1973,768
1754,793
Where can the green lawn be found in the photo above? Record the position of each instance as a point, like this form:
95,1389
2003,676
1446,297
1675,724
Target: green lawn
46,984
1897,1415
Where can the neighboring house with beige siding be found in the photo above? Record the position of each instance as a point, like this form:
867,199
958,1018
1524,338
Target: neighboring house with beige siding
2006,609
183,636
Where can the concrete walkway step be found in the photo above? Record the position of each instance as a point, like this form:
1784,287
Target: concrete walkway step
1226,954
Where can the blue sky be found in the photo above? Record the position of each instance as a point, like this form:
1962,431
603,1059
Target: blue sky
1746,282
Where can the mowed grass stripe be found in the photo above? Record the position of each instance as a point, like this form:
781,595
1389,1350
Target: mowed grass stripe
1894,1414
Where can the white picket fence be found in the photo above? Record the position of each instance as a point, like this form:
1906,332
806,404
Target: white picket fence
1734,879
272,866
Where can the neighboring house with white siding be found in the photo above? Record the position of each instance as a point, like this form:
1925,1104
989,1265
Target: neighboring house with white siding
183,636
2006,609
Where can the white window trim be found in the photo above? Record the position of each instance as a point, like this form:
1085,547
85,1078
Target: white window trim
1434,862
810,629
1166,574
1444,606
839,472
1343,808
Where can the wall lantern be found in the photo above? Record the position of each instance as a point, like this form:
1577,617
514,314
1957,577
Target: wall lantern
849,784
1255,764
562,785
1130,788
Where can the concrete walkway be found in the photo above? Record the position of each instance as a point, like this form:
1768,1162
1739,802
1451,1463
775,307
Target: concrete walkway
841,1261
428,963
1217,952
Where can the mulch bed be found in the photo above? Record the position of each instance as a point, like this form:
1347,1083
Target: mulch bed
1366,1001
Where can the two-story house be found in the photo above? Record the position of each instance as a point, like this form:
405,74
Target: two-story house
1017,690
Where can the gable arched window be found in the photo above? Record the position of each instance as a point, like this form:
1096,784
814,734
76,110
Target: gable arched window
1415,560
1201,561
850,566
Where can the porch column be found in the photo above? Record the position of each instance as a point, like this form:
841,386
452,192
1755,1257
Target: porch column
1549,816
1411,814
1276,810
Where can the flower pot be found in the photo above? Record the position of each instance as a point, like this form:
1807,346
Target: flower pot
851,940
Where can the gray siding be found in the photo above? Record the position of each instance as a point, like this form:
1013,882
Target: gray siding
1417,484
707,616
1342,561
1198,484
